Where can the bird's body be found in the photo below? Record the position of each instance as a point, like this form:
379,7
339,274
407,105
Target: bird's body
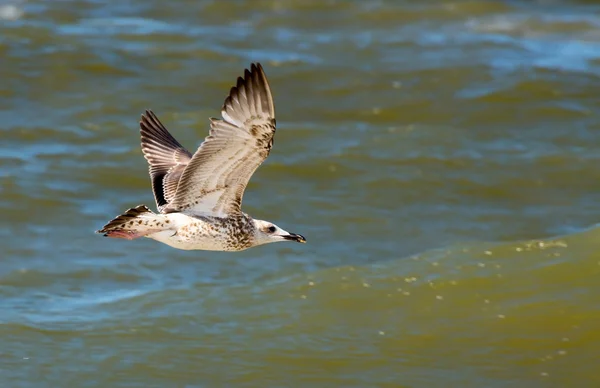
183,231
199,196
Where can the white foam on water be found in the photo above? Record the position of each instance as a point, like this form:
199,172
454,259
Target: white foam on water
10,12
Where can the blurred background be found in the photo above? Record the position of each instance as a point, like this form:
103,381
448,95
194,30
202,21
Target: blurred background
441,158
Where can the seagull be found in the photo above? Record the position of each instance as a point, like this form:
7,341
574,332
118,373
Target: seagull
199,196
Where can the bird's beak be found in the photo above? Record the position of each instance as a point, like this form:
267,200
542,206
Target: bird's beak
295,237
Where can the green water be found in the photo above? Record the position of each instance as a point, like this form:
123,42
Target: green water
441,158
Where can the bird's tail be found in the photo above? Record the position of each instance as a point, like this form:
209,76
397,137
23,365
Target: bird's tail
136,222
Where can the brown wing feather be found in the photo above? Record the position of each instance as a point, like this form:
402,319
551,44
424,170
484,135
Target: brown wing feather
166,157
215,178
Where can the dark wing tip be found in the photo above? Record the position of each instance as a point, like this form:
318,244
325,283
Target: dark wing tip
253,74
250,95
147,116
144,119
150,124
256,67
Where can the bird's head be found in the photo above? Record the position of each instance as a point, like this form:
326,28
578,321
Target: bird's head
267,232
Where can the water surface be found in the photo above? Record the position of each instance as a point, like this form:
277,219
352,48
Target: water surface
441,159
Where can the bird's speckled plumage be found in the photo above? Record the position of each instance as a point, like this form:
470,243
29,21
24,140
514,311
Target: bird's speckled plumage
199,196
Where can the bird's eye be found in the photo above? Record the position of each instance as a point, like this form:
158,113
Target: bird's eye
272,229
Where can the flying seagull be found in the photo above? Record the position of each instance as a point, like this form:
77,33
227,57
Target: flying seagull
199,196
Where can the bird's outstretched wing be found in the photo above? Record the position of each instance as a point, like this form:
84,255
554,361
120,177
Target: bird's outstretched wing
166,157
214,180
